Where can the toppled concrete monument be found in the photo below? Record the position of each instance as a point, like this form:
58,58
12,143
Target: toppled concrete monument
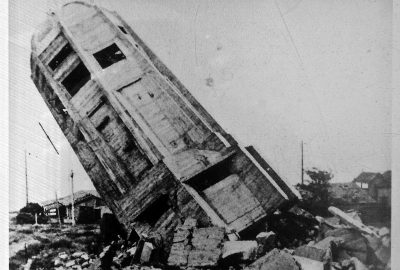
153,153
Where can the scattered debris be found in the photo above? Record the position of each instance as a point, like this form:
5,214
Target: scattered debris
275,260
317,244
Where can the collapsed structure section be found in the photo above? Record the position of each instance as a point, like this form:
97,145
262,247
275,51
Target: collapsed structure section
151,150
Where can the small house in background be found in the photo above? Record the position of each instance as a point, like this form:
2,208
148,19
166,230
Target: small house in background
52,209
350,197
88,207
379,185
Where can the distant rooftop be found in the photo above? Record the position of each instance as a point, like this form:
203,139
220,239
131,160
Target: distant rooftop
350,192
379,179
78,196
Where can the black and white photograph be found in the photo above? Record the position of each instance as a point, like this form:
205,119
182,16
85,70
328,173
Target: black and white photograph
197,135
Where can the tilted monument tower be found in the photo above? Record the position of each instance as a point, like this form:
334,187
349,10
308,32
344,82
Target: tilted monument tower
151,150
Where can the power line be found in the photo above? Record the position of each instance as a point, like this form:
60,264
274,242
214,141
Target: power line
48,138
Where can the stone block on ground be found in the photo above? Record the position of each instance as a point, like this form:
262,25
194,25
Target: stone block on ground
85,256
147,251
266,242
313,253
178,255
275,260
345,233
190,223
77,254
358,265
70,263
181,235
246,250
383,231
207,238
309,264
329,243
209,232
57,262
63,255
178,258
204,258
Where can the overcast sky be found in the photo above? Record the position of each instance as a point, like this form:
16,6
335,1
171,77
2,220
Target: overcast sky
272,73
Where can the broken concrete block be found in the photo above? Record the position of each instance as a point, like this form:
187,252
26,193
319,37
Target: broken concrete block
346,264
209,232
181,235
207,238
275,260
63,255
204,258
85,256
190,223
313,253
383,231
266,242
358,265
178,257
329,243
131,251
347,219
247,250
146,252
77,254
57,262
70,263
309,264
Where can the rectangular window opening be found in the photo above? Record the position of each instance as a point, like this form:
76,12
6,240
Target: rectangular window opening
61,56
76,79
154,212
109,56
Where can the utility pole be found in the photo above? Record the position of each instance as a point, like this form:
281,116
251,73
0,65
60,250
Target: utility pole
58,210
302,163
72,198
26,178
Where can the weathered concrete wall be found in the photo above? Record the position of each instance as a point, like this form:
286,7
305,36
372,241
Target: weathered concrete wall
152,151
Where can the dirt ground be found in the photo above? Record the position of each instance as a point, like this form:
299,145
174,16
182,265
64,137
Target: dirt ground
43,243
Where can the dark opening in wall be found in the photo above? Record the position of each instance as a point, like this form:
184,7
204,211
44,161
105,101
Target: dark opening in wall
109,55
103,123
76,79
122,29
154,212
61,56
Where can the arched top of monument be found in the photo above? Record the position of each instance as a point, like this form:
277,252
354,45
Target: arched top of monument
44,33
71,15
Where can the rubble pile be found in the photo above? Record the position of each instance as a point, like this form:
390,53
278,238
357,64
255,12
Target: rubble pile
196,247
77,260
294,240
